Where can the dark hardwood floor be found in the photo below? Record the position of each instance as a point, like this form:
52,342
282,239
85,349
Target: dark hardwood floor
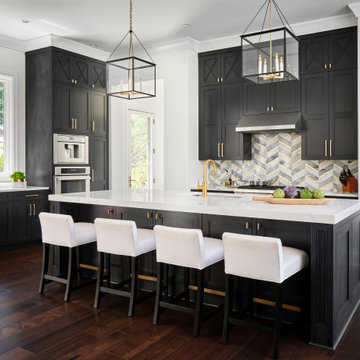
36,327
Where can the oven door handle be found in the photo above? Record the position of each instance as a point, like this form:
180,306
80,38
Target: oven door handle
69,177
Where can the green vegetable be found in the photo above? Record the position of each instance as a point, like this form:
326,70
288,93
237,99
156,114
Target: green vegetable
318,194
279,193
17,175
306,194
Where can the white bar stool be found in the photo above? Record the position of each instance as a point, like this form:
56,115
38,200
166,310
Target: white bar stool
60,230
121,237
259,258
186,248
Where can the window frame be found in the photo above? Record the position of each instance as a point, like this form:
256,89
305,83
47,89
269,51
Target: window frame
9,81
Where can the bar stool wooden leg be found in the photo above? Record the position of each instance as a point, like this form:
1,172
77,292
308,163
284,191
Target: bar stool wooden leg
199,301
44,267
108,268
133,289
277,324
99,280
159,289
78,262
228,307
69,276
186,283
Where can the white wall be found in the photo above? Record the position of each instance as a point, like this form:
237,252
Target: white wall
12,62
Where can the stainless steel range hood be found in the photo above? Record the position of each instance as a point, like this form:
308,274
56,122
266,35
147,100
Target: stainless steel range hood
269,122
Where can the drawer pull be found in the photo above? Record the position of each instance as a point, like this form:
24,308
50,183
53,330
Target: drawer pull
157,216
247,225
34,209
326,147
110,211
330,147
30,210
258,226
32,195
222,149
148,215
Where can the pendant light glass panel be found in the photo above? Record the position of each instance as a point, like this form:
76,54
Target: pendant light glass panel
270,56
131,78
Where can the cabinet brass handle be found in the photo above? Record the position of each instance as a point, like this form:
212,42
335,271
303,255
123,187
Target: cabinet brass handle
222,149
93,125
72,81
34,209
93,85
218,79
258,226
93,175
32,195
218,149
247,225
75,123
221,79
325,66
157,216
330,147
326,148
110,211
330,66
30,211
268,108
75,81
148,215
72,123
272,108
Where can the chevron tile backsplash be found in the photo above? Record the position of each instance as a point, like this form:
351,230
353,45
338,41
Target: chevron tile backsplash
277,158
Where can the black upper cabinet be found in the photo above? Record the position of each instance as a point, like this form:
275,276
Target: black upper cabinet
328,52
220,107
209,122
218,67
98,163
329,96
81,73
63,67
71,109
98,123
278,97
315,115
97,76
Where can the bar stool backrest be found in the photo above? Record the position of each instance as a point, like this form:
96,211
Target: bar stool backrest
118,237
57,229
177,246
253,257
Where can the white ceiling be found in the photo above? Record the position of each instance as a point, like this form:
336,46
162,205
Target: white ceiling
105,22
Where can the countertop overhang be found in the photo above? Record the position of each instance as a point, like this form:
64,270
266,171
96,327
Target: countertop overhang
240,205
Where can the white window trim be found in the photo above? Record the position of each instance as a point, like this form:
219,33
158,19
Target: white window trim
9,126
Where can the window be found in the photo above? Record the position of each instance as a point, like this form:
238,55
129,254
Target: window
141,150
6,125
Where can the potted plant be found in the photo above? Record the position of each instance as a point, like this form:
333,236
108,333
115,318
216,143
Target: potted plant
18,178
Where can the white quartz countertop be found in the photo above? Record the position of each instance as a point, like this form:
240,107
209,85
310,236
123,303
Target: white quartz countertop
216,204
8,187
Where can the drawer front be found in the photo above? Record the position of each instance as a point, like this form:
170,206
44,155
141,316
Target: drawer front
30,195
5,197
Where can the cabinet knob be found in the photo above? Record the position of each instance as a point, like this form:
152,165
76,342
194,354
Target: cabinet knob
258,226
75,82
221,79
110,211
148,215
72,81
330,66
247,225
268,108
218,80
272,108
93,85
157,216
325,66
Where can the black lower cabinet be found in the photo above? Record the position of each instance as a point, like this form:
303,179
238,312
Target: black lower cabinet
19,216
5,219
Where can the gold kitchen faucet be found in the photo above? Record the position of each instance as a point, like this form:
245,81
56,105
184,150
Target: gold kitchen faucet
203,187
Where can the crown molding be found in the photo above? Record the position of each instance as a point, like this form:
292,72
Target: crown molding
11,43
355,8
66,44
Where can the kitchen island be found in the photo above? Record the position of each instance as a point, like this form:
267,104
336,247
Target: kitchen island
329,233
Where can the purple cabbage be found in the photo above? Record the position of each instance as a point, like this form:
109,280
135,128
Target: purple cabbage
291,192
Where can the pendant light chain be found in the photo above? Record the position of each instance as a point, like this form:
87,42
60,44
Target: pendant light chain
131,17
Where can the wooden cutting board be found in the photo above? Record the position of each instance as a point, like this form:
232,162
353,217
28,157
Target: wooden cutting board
286,201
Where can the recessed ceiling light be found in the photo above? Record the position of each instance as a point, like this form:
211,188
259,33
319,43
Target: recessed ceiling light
94,45
25,21
186,25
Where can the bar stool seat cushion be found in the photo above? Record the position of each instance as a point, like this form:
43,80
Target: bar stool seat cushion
60,230
84,233
261,258
122,237
186,247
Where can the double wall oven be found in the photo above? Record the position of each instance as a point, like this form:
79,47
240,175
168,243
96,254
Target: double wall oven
71,155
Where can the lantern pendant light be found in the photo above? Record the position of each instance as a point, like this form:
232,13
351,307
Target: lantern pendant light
270,55
128,75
